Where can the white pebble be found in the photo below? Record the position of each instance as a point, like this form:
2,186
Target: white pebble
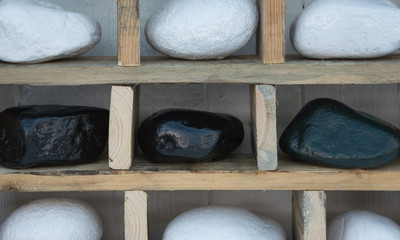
37,31
51,219
347,29
362,225
202,29
222,222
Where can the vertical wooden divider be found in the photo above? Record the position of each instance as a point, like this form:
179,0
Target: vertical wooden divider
124,116
135,218
271,33
309,215
128,33
263,122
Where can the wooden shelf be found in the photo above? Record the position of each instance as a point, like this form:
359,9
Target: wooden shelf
235,173
239,70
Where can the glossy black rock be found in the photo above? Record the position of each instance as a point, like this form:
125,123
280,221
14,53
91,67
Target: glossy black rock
49,135
329,133
180,135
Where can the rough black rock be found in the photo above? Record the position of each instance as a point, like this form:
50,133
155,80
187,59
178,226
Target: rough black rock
180,135
49,135
329,133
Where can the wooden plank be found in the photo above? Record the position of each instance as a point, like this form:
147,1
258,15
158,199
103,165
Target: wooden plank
135,215
238,70
263,117
128,33
291,175
124,115
271,35
309,215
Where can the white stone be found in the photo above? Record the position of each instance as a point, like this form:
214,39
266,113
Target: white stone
202,29
362,225
37,31
222,222
347,29
51,219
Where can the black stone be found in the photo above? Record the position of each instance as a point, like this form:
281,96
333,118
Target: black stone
180,135
48,135
329,133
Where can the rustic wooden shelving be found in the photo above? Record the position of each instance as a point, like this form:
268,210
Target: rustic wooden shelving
235,173
120,170
235,70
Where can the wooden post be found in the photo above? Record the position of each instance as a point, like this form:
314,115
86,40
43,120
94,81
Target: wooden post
309,215
135,217
128,33
124,115
263,118
271,34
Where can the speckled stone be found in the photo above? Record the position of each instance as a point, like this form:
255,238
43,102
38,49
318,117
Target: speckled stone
49,135
33,31
329,133
202,29
180,135
354,29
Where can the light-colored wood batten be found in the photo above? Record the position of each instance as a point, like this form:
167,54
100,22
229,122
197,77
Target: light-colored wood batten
236,70
124,115
263,122
135,217
271,33
309,215
128,33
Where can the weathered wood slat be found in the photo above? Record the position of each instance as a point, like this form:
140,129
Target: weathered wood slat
271,34
309,215
103,70
263,117
128,33
240,173
135,206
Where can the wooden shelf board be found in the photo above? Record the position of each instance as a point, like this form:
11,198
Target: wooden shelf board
238,69
235,173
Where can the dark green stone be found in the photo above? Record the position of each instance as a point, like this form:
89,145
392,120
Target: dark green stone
48,135
181,135
329,133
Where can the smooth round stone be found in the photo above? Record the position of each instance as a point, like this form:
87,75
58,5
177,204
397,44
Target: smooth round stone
329,133
362,225
36,31
48,135
53,218
181,135
347,29
202,29
222,222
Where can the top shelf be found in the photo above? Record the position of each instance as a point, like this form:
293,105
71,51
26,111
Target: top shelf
237,70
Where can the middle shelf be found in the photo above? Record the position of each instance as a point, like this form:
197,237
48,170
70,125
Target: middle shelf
237,70
239,174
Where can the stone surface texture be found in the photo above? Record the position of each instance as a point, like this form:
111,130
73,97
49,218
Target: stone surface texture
222,222
53,218
181,135
362,225
37,31
329,133
46,135
347,29
202,29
